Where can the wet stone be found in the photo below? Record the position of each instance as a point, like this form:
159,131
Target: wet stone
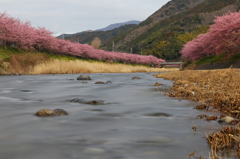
84,82
27,91
160,114
77,100
136,78
45,112
96,110
108,82
92,102
60,112
49,112
95,102
83,77
226,119
99,82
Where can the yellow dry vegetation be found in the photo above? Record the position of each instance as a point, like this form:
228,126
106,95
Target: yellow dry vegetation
57,66
215,89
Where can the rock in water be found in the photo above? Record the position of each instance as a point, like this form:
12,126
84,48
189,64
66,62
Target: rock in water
226,119
99,82
108,82
60,112
45,112
49,112
160,114
83,77
136,78
95,102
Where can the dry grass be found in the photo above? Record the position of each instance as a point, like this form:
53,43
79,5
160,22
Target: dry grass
214,89
23,63
77,66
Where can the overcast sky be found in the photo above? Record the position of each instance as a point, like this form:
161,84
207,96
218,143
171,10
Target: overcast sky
71,16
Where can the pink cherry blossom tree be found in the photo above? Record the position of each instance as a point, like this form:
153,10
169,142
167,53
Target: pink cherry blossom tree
221,38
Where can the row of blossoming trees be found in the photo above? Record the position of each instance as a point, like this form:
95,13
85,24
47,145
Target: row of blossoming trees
22,35
223,37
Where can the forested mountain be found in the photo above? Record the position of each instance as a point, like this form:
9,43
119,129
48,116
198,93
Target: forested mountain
88,36
164,33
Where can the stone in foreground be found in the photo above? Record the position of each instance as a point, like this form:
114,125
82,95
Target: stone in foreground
49,112
226,119
83,77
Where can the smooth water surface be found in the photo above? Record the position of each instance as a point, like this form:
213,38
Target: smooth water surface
120,129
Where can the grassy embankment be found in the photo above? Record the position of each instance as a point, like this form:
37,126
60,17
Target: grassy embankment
15,61
213,59
215,90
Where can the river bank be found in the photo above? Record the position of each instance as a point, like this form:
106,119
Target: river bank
40,64
215,90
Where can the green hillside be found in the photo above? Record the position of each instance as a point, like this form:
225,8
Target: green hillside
88,36
164,33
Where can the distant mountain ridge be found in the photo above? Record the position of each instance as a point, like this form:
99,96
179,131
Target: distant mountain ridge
117,25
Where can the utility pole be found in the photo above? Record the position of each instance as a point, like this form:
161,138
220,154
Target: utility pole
113,46
131,50
141,51
63,36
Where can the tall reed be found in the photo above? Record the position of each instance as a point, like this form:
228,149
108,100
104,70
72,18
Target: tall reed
57,66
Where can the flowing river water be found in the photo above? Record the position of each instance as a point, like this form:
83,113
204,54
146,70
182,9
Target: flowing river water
136,122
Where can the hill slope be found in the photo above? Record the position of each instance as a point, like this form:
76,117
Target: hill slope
88,36
164,33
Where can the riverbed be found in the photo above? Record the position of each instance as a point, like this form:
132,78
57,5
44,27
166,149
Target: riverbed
137,120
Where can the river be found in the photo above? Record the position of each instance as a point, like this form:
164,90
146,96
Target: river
122,128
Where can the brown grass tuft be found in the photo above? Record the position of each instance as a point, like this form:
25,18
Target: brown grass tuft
23,63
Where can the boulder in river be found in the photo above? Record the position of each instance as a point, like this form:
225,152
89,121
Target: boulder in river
92,102
159,114
108,82
99,82
136,78
83,77
60,112
49,112
95,102
77,100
